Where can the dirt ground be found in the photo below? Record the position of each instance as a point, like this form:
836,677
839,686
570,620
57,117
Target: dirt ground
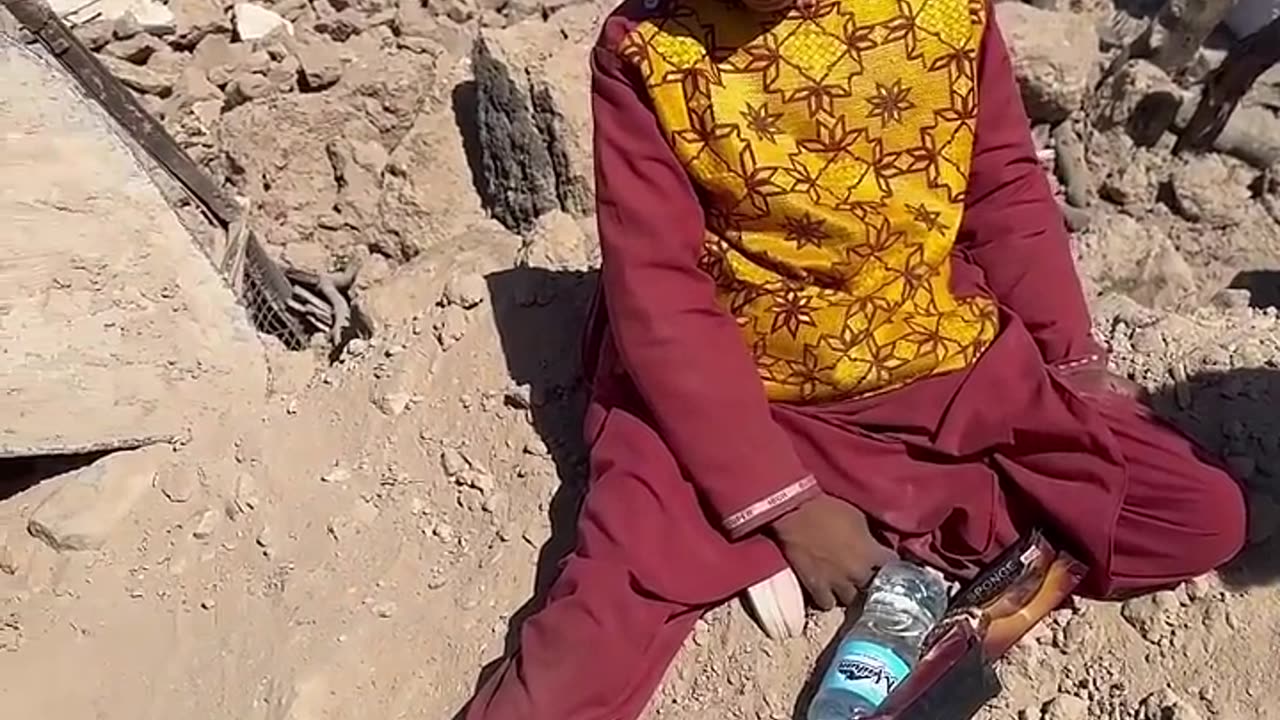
358,539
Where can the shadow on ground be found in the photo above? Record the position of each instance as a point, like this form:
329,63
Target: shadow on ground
1235,414
540,315
20,474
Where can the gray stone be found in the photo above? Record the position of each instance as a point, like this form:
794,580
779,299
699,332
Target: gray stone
89,503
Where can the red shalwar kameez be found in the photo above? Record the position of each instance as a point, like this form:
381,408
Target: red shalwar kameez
689,459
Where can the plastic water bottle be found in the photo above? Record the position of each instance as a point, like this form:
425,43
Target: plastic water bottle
903,603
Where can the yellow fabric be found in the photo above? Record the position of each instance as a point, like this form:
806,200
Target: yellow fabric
833,144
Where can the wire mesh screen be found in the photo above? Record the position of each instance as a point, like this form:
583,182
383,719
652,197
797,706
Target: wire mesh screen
266,293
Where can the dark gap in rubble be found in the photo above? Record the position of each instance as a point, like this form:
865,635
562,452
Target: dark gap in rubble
464,114
19,474
1263,287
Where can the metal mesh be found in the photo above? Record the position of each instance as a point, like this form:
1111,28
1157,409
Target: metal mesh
265,293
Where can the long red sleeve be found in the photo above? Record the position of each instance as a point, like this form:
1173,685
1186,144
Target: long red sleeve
1013,228
682,350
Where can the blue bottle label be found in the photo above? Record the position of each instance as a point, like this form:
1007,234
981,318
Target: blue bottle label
866,669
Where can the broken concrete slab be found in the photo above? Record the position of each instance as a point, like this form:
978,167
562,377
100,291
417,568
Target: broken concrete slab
89,503
105,300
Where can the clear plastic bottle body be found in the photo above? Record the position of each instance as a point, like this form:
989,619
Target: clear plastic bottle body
877,652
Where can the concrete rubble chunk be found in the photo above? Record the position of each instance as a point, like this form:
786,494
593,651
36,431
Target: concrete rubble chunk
145,80
319,60
1211,189
195,20
532,122
137,49
1055,58
90,502
254,22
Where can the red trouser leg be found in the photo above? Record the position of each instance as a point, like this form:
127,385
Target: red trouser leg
597,651
1182,516
647,564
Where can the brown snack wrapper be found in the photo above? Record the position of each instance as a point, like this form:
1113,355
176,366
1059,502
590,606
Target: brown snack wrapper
954,677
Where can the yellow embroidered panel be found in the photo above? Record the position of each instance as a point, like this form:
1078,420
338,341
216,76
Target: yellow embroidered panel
832,144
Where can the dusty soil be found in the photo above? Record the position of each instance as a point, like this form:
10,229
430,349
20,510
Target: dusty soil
363,544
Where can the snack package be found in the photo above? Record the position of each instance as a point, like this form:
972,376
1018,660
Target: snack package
954,677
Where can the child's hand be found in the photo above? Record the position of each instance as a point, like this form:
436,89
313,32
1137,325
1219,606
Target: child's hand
830,549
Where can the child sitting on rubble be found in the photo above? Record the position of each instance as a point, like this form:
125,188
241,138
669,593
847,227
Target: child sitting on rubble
838,320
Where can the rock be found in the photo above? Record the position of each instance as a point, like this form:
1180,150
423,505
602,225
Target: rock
557,242
96,34
245,87
8,559
532,123
1151,615
1132,185
126,26
458,11
1165,705
146,16
519,397
137,49
1166,279
142,79
1055,58
309,256
195,20
451,327
1066,707
245,497
453,462
176,484
90,502
343,26
203,524
336,475
357,170
384,610
394,403
1208,188
319,61
466,290
254,22
1143,100
418,30
283,75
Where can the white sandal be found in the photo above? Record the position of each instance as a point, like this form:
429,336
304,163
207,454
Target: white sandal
777,605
